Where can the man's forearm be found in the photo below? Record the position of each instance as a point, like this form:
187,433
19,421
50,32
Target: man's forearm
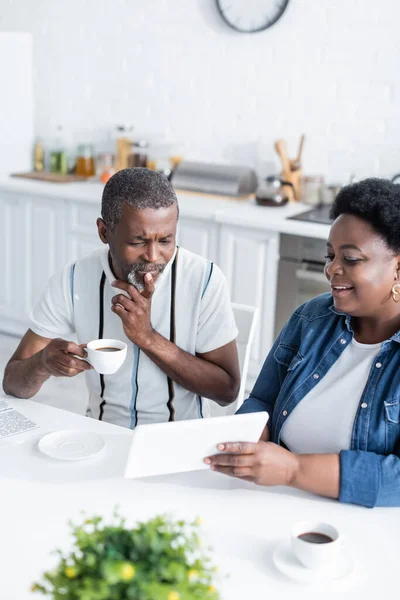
191,372
318,473
24,378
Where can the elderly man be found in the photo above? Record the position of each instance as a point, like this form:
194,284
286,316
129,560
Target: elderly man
170,306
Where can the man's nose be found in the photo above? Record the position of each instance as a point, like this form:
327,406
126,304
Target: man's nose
152,253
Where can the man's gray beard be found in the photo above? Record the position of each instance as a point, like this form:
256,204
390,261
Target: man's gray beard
133,278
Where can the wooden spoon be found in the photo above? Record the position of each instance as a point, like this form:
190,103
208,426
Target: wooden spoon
295,163
300,149
280,147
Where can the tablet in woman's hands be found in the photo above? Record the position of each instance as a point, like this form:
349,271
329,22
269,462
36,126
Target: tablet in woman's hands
162,448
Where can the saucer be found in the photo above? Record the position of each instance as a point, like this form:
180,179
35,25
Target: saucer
70,444
286,562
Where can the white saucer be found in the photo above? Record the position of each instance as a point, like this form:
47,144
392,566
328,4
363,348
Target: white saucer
286,562
70,444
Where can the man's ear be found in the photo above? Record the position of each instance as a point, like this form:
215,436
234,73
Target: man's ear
102,230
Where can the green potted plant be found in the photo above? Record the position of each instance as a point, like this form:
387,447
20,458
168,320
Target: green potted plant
160,559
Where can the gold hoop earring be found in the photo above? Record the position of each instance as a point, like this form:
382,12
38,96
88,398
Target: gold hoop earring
396,291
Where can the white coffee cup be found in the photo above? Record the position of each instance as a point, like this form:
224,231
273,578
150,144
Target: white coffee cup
106,356
316,554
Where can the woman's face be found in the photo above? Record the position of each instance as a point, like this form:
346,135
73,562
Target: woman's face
360,268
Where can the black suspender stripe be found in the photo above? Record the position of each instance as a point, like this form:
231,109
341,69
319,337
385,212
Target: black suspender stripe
101,328
137,387
172,337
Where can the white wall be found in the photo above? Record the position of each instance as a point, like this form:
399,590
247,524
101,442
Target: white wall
330,68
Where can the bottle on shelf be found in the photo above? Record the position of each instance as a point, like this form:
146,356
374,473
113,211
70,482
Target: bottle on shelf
124,141
38,156
58,154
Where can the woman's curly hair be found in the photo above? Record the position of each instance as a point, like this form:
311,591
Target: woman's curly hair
377,201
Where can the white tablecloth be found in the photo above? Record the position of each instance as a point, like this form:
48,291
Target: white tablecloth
243,522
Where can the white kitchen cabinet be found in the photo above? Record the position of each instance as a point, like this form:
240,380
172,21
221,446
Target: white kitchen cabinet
48,243
199,236
14,236
249,260
32,249
82,237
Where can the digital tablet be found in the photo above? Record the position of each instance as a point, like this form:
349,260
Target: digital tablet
162,448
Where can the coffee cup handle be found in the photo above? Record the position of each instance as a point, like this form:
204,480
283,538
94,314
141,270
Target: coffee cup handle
81,358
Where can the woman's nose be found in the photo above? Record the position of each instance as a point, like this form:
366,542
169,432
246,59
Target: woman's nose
334,267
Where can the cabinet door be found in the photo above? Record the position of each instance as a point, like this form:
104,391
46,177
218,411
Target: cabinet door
47,252
32,249
199,236
82,231
15,234
249,260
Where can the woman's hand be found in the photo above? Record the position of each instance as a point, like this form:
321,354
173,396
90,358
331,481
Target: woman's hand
264,463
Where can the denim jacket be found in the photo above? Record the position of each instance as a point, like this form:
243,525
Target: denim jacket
307,347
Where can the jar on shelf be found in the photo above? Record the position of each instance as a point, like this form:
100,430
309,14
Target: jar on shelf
312,189
105,166
85,164
138,157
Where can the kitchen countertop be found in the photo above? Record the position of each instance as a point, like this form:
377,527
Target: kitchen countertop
244,213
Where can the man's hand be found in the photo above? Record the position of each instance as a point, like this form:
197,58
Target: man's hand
57,360
264,463
135,311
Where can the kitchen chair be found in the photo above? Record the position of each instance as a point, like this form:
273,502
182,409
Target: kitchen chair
246,321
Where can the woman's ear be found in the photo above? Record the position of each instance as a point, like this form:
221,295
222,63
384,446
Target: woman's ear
102,230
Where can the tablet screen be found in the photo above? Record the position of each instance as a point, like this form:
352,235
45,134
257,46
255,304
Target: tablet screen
163,448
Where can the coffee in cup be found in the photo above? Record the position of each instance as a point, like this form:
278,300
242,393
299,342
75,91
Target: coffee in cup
316,544
315,538
108,349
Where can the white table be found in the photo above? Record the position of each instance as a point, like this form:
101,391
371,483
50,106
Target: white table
242,522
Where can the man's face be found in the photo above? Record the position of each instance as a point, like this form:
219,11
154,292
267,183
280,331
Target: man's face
142,242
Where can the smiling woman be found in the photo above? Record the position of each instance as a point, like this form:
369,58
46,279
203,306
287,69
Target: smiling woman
331,381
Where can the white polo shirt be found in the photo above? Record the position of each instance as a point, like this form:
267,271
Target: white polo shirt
191,303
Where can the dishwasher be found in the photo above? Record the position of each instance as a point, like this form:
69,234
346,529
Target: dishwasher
300,275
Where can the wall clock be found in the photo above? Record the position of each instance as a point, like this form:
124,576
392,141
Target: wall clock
251,16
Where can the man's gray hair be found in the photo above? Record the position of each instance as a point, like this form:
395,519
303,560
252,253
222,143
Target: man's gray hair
140,188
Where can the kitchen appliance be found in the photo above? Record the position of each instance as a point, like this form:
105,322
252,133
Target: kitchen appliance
300,275
227,180
319,214
272,192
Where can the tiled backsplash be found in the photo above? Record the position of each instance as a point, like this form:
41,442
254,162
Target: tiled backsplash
329,69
